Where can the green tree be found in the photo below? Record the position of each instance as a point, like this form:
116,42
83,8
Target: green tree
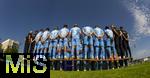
1,47
11,50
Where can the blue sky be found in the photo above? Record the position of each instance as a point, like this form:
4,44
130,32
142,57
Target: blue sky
18,17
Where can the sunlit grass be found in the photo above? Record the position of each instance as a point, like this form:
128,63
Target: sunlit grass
135,71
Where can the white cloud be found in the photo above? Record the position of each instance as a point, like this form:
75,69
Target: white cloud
141,15
141,22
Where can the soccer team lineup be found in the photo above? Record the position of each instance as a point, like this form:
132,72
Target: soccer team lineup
80,48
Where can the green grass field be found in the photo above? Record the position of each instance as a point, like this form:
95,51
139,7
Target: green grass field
134,71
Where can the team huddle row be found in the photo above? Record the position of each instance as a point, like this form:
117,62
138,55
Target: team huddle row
82,43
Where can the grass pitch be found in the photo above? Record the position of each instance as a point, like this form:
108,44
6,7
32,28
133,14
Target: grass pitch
134,71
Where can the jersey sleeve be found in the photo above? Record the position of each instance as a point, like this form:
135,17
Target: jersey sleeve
79,30
70,31
83,30
102,32
59,33
92,30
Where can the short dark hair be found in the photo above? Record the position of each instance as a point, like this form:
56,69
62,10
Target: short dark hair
97,26
121,27
66,26
36,31
106,27
47,29
75,25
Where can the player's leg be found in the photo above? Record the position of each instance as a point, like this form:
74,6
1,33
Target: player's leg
96,52
46,47
91,47
65,44
38,52
39,48
129,50
102,53
85,46
102,49
58,53
35,50
85,43
81,56
90,52
114,51
50,50
51,54
121,52
61,57
109,51
53,46
73,47
96,56
42,58
96,46
125,48
108,48
42,50
115,56
77,53
59,48
73,51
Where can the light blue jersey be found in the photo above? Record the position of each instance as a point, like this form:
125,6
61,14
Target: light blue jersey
63,42
87,30
99,43
98,32
109,37
38,36
75,32
63,32
109,42
109,33
38,44
38,41
45,39
88,40
54,34
45,35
